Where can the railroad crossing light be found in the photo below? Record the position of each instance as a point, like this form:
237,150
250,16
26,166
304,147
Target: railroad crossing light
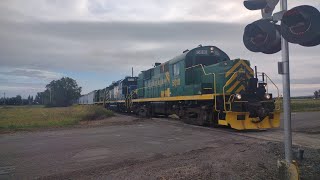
301,25
255,4
262,36
266,6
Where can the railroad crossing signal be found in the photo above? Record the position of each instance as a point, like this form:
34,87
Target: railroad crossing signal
300,25
266,6
262,36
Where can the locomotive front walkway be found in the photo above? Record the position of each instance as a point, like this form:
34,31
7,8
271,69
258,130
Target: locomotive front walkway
146,149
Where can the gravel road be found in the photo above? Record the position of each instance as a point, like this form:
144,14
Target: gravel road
125,147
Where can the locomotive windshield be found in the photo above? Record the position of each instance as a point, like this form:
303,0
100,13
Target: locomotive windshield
206,56
206,60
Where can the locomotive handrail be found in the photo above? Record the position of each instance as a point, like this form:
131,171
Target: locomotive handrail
214,82
129,97
224,96
278,98
104,98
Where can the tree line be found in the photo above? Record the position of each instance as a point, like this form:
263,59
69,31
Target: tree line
18,100
317,94
62,92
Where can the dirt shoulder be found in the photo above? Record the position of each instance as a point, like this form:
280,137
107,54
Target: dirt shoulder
225,161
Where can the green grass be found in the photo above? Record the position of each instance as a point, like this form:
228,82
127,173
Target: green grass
302,105
28,117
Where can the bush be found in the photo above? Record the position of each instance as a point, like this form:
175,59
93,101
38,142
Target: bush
95,113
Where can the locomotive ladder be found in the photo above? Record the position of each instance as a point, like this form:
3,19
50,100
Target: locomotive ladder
106,98
128,100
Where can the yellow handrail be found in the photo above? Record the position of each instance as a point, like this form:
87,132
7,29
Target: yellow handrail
278,98
214,82
224,96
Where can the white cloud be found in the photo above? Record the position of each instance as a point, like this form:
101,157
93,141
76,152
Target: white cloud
30,73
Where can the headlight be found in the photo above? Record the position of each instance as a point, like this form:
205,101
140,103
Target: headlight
267,96
238,96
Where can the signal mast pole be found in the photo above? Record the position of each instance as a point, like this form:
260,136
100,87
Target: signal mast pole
286,93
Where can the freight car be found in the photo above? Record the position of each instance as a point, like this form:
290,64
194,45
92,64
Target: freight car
202,86
87,98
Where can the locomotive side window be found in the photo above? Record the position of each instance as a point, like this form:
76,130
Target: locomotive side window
176,69
164,68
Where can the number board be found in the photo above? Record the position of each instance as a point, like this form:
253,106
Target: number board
201,51
130,79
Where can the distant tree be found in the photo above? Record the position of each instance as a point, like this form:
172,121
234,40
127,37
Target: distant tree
316,94
25,102
39,99
62,92
17,100
2,101
29,99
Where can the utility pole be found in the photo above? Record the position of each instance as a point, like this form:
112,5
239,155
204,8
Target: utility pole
4,98
286,93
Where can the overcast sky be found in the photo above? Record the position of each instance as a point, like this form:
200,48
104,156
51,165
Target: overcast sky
98,41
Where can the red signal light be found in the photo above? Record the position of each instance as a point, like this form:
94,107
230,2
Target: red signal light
301,25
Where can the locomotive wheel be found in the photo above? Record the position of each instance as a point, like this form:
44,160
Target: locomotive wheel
197,116
204,118
214,121
143,112
189,117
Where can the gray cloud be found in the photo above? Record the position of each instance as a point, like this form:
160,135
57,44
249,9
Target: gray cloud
115,47
93,45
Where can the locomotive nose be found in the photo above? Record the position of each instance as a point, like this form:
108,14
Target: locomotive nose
262,113
257,110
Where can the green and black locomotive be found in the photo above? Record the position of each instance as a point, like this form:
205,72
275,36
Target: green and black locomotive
202,86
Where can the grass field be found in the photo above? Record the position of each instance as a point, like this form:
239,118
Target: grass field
299,105
27,117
